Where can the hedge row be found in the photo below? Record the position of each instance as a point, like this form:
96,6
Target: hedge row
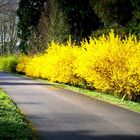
8,63
107,64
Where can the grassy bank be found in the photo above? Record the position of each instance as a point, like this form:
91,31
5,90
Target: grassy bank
13,125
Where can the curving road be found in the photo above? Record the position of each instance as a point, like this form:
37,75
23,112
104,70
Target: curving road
59,114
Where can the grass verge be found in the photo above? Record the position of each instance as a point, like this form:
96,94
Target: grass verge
13,125
116,100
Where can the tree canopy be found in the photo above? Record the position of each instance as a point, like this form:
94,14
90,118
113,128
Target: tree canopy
29,13
82,18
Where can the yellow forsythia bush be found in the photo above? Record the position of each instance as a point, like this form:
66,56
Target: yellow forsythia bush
108,64
60,60
56,64
23,61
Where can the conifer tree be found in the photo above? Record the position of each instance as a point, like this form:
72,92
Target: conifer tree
81,18
29,13
113,11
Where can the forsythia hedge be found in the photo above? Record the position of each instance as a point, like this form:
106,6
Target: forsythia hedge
108,64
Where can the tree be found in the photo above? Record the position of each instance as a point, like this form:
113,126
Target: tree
81,18
134,24
8,30
52,26
29,13
113,11
62,18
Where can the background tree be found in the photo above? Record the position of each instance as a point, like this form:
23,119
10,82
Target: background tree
114,14
47,20
8,28
29,13
134,24
52,26
81,18
113,11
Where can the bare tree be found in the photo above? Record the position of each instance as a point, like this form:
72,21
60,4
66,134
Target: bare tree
52,26
7,7
8,26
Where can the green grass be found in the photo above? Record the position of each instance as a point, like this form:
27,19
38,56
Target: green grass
116,100
13,125
8,63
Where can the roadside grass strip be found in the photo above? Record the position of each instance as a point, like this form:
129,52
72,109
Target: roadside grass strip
13,125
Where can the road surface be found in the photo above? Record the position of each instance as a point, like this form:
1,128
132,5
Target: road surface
59,114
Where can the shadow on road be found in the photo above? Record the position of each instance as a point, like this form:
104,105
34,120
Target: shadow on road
51,132
22,83
83,135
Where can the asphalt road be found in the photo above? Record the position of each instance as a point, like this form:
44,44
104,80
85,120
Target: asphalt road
59,114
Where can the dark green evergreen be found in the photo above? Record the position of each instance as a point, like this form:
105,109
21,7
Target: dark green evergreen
78,18
121,15
29,13
113,11
81,18
134,24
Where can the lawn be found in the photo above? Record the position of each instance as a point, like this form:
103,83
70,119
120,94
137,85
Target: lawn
13,125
